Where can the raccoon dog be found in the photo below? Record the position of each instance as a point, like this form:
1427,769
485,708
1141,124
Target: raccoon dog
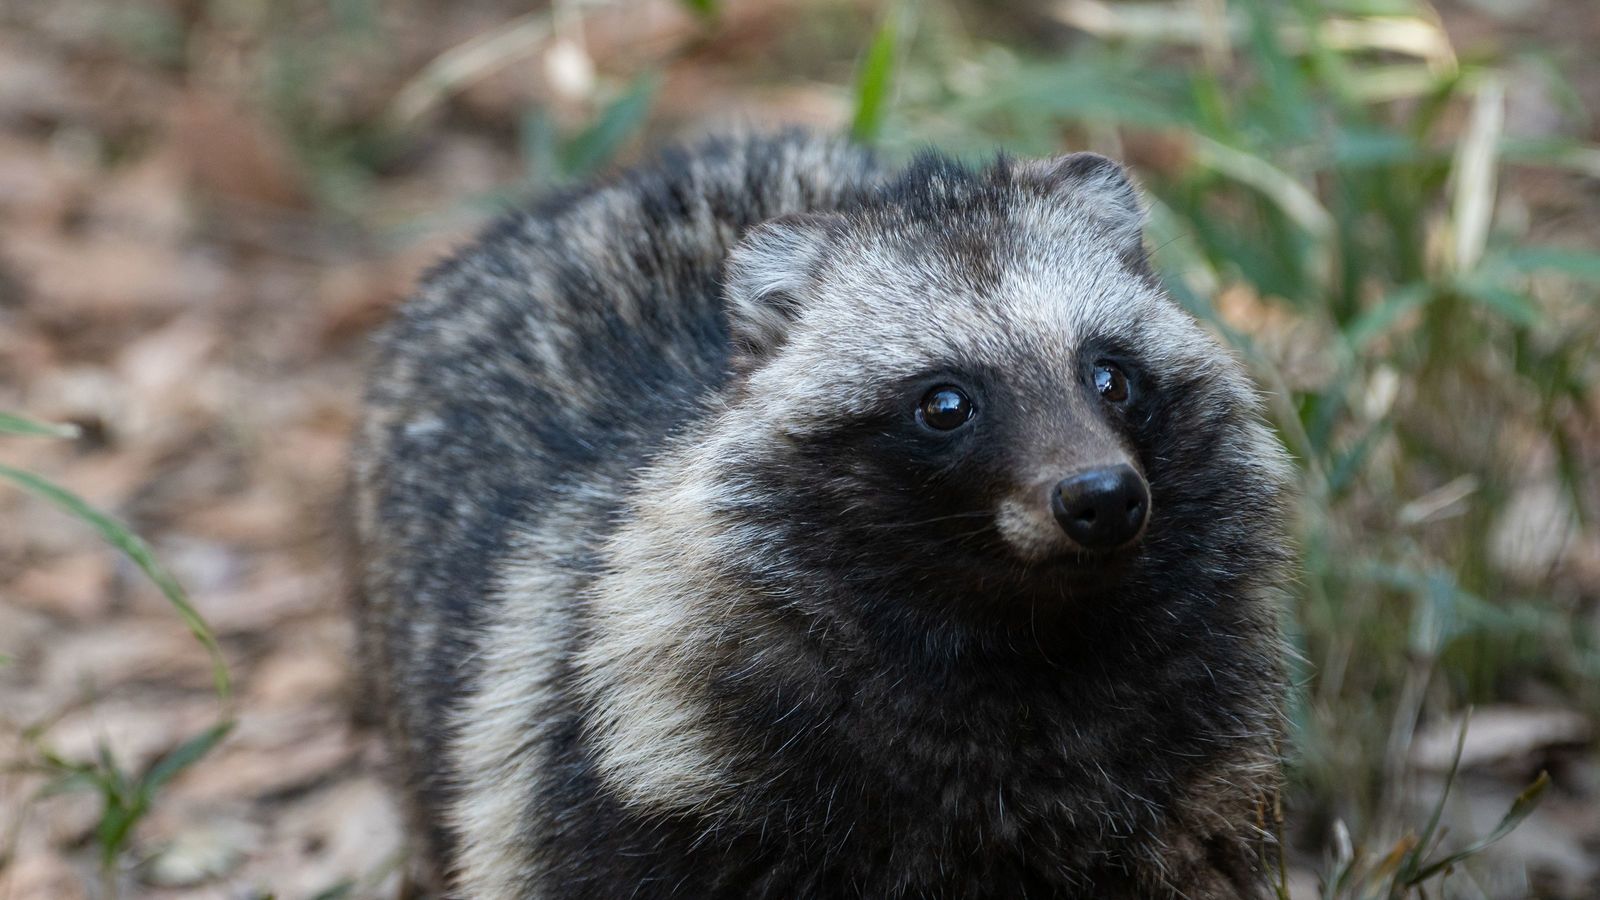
764,523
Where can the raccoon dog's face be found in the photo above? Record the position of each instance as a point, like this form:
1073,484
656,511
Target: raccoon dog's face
972,385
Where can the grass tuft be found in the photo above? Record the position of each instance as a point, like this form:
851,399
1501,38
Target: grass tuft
125,797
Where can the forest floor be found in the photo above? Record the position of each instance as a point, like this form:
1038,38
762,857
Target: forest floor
178,281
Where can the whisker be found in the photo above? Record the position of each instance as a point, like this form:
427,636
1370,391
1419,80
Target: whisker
946,539
961,515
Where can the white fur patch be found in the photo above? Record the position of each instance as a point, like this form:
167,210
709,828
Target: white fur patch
657,624
499,751
1026,531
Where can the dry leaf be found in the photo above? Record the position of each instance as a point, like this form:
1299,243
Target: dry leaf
76,586
232,155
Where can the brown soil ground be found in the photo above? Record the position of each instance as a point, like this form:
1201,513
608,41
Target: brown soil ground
173,281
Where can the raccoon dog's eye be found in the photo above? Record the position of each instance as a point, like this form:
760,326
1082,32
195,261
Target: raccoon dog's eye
944,408
1110,381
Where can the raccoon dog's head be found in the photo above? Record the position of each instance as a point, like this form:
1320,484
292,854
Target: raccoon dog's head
971,390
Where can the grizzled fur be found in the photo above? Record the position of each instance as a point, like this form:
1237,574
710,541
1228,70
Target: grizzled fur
666,593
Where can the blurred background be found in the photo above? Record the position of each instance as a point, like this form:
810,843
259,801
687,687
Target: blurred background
1389,207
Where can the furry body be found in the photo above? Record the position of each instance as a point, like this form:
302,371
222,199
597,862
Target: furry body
664,594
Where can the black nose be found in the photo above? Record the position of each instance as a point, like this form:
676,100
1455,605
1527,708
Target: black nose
1102,509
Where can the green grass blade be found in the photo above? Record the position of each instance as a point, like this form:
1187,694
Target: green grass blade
1556,153
70,783
705,9
876,79
182,757
1509,304
1376,321
1295,200
1575,264
1363,148
1285,101
11,423
117,535
116,823
1407,872
1522,807
596,145
1080,89
538,144
114,775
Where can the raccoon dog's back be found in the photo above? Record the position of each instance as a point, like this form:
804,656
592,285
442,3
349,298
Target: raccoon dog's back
537,370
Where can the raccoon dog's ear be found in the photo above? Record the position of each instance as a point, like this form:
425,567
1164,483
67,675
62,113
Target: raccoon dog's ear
768,275
1099,189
